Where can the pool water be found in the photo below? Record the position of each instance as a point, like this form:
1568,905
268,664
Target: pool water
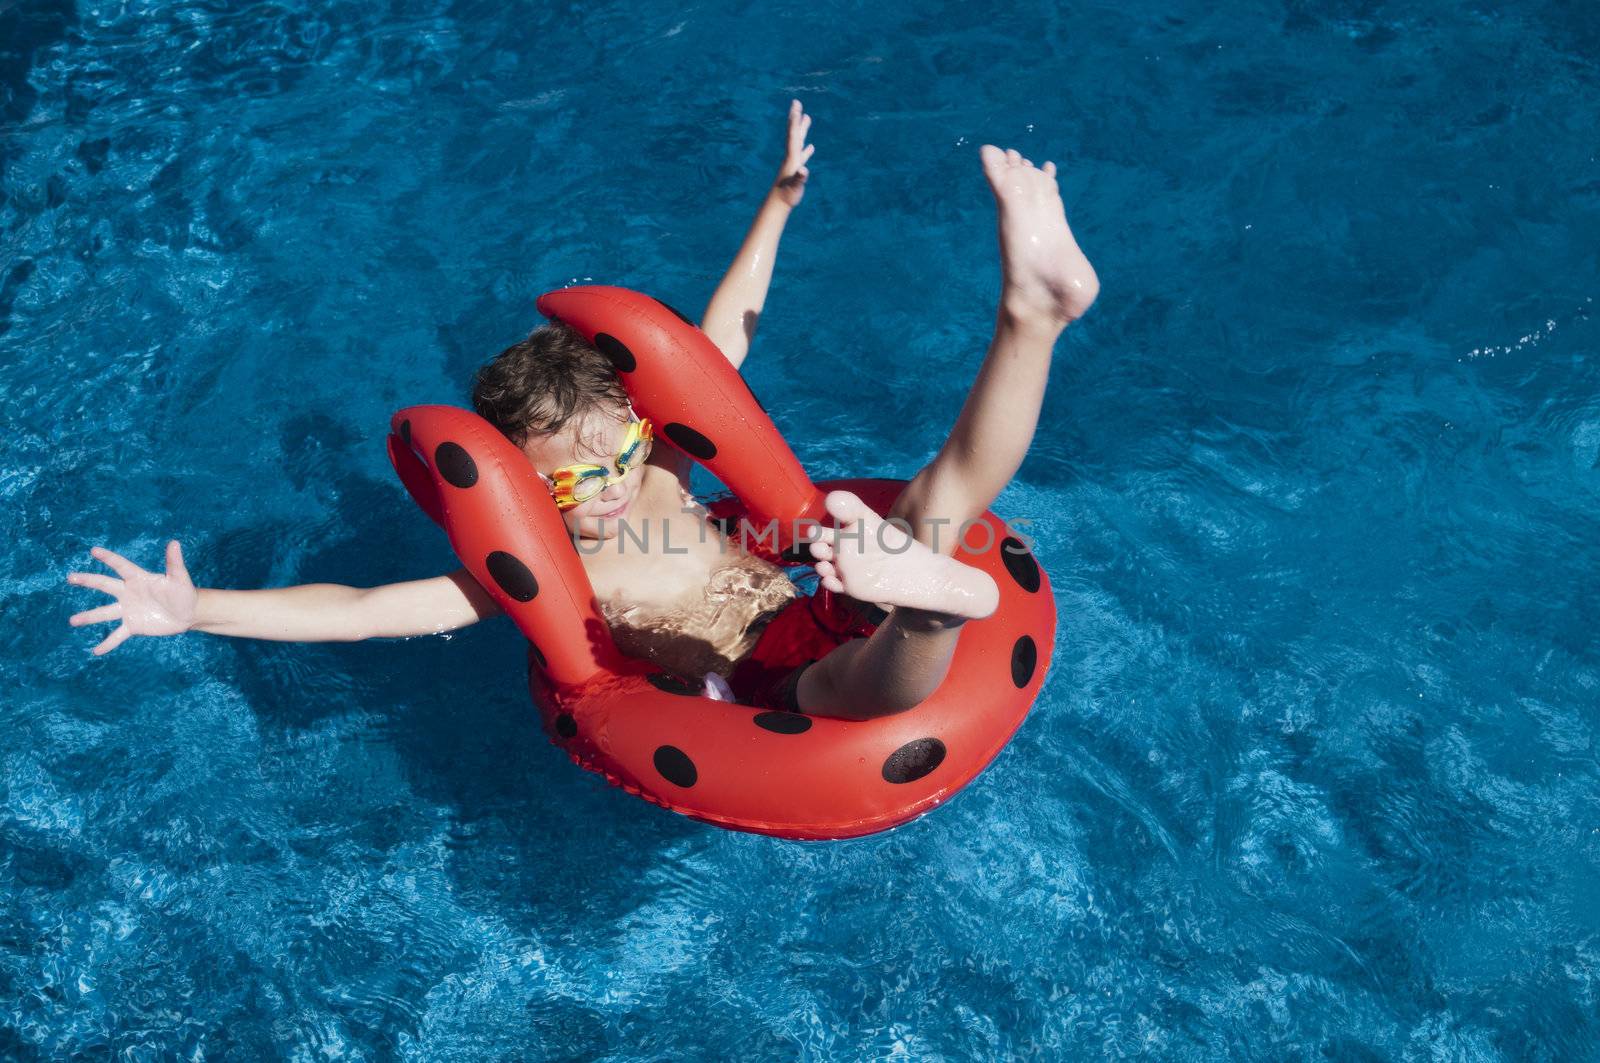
1314,774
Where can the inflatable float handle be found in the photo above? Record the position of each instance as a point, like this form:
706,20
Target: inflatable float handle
678,378
482,491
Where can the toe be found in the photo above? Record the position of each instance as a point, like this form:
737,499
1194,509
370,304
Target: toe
846,508
1013,156
993,157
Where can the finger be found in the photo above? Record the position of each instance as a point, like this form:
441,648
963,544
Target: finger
825,570
806,155
113,640
119,564
176,569
97,616
833,584
822,551
96,582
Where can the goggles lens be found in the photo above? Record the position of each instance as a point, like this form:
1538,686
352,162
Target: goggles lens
589,486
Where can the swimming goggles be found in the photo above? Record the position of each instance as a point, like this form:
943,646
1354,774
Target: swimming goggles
573,485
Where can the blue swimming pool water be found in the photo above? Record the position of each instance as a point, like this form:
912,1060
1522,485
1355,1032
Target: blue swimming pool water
1315,772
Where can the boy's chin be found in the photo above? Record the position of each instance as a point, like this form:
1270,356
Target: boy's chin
593,528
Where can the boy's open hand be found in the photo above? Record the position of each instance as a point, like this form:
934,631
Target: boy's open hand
791,183
146,603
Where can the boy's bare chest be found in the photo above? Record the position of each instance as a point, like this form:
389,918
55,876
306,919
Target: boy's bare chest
656,561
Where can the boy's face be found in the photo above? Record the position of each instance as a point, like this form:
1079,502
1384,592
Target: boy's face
591,439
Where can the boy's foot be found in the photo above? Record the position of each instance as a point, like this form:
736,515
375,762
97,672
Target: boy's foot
1047,278
877,562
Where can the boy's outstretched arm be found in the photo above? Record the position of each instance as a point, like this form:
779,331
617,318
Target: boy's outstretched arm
149,603
735,308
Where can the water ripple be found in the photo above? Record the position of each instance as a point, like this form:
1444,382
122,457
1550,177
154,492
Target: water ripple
1318,486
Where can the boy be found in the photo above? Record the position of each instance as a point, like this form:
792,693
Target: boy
700,608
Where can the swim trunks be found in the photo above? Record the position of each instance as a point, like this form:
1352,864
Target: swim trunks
804,632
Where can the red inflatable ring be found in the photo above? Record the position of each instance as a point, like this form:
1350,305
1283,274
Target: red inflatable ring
653,733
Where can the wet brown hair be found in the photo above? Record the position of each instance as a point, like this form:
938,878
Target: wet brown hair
540,385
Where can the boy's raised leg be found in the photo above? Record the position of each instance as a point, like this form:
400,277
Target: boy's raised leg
1048,283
